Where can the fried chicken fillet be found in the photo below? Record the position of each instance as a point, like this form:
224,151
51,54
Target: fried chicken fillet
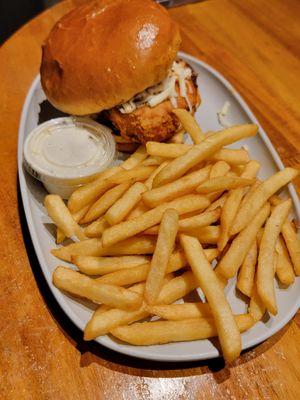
154,123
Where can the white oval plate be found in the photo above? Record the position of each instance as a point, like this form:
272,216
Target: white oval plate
215,90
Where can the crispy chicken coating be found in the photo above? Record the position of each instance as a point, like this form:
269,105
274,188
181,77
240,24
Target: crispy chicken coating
153,123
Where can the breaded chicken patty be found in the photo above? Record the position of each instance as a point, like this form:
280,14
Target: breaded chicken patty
156,123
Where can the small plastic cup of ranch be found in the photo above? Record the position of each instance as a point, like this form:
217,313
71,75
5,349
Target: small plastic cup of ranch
65,153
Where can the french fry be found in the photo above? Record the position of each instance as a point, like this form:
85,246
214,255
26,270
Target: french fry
226,326
159,332
121,208
83,286
177,312
102,322
61,216
249,192
161,256
177,288
90,192
290,237
256,308
96,228
230,263
293,244
217,203
175,189
106,201
245,279
178,137
192,223
234,157
233,202
139,173
223,183
93,247
135,274
60,236
139,273
129,228
284,266
220,168
136,158
139,210
198,221
172,291
92,265
189,124
179,166
264,191
153,160
206,234
265,266
167,150
149,181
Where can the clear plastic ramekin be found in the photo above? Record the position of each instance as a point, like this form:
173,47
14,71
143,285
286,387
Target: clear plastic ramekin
65,153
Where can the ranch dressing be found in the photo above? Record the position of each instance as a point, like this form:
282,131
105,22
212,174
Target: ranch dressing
68,151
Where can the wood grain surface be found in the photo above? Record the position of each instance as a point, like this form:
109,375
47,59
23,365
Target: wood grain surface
255,44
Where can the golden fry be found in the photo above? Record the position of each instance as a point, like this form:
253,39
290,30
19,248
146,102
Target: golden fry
189,124
290,237
93,247
264,191
139,224
284,266
159,332
245,279
106,201
61,216
175,189
233,202
90,192
234,257
257,308
92,265
136,158
96,228
161,256
265,266
83,286
178,137
179,166
227,328
122,207
163,151
60,236
102,322
223,183
177,312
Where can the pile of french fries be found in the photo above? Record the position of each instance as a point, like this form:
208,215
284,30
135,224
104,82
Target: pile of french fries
146,233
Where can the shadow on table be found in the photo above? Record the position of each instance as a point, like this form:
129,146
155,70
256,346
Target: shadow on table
94,353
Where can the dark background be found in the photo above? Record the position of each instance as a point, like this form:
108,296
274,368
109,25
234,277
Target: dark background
15,13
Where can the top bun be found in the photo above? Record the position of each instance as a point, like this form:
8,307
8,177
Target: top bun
104,52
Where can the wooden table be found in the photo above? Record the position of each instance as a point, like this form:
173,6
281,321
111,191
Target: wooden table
256,45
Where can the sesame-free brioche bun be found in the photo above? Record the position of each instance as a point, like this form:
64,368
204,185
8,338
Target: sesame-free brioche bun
104,52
